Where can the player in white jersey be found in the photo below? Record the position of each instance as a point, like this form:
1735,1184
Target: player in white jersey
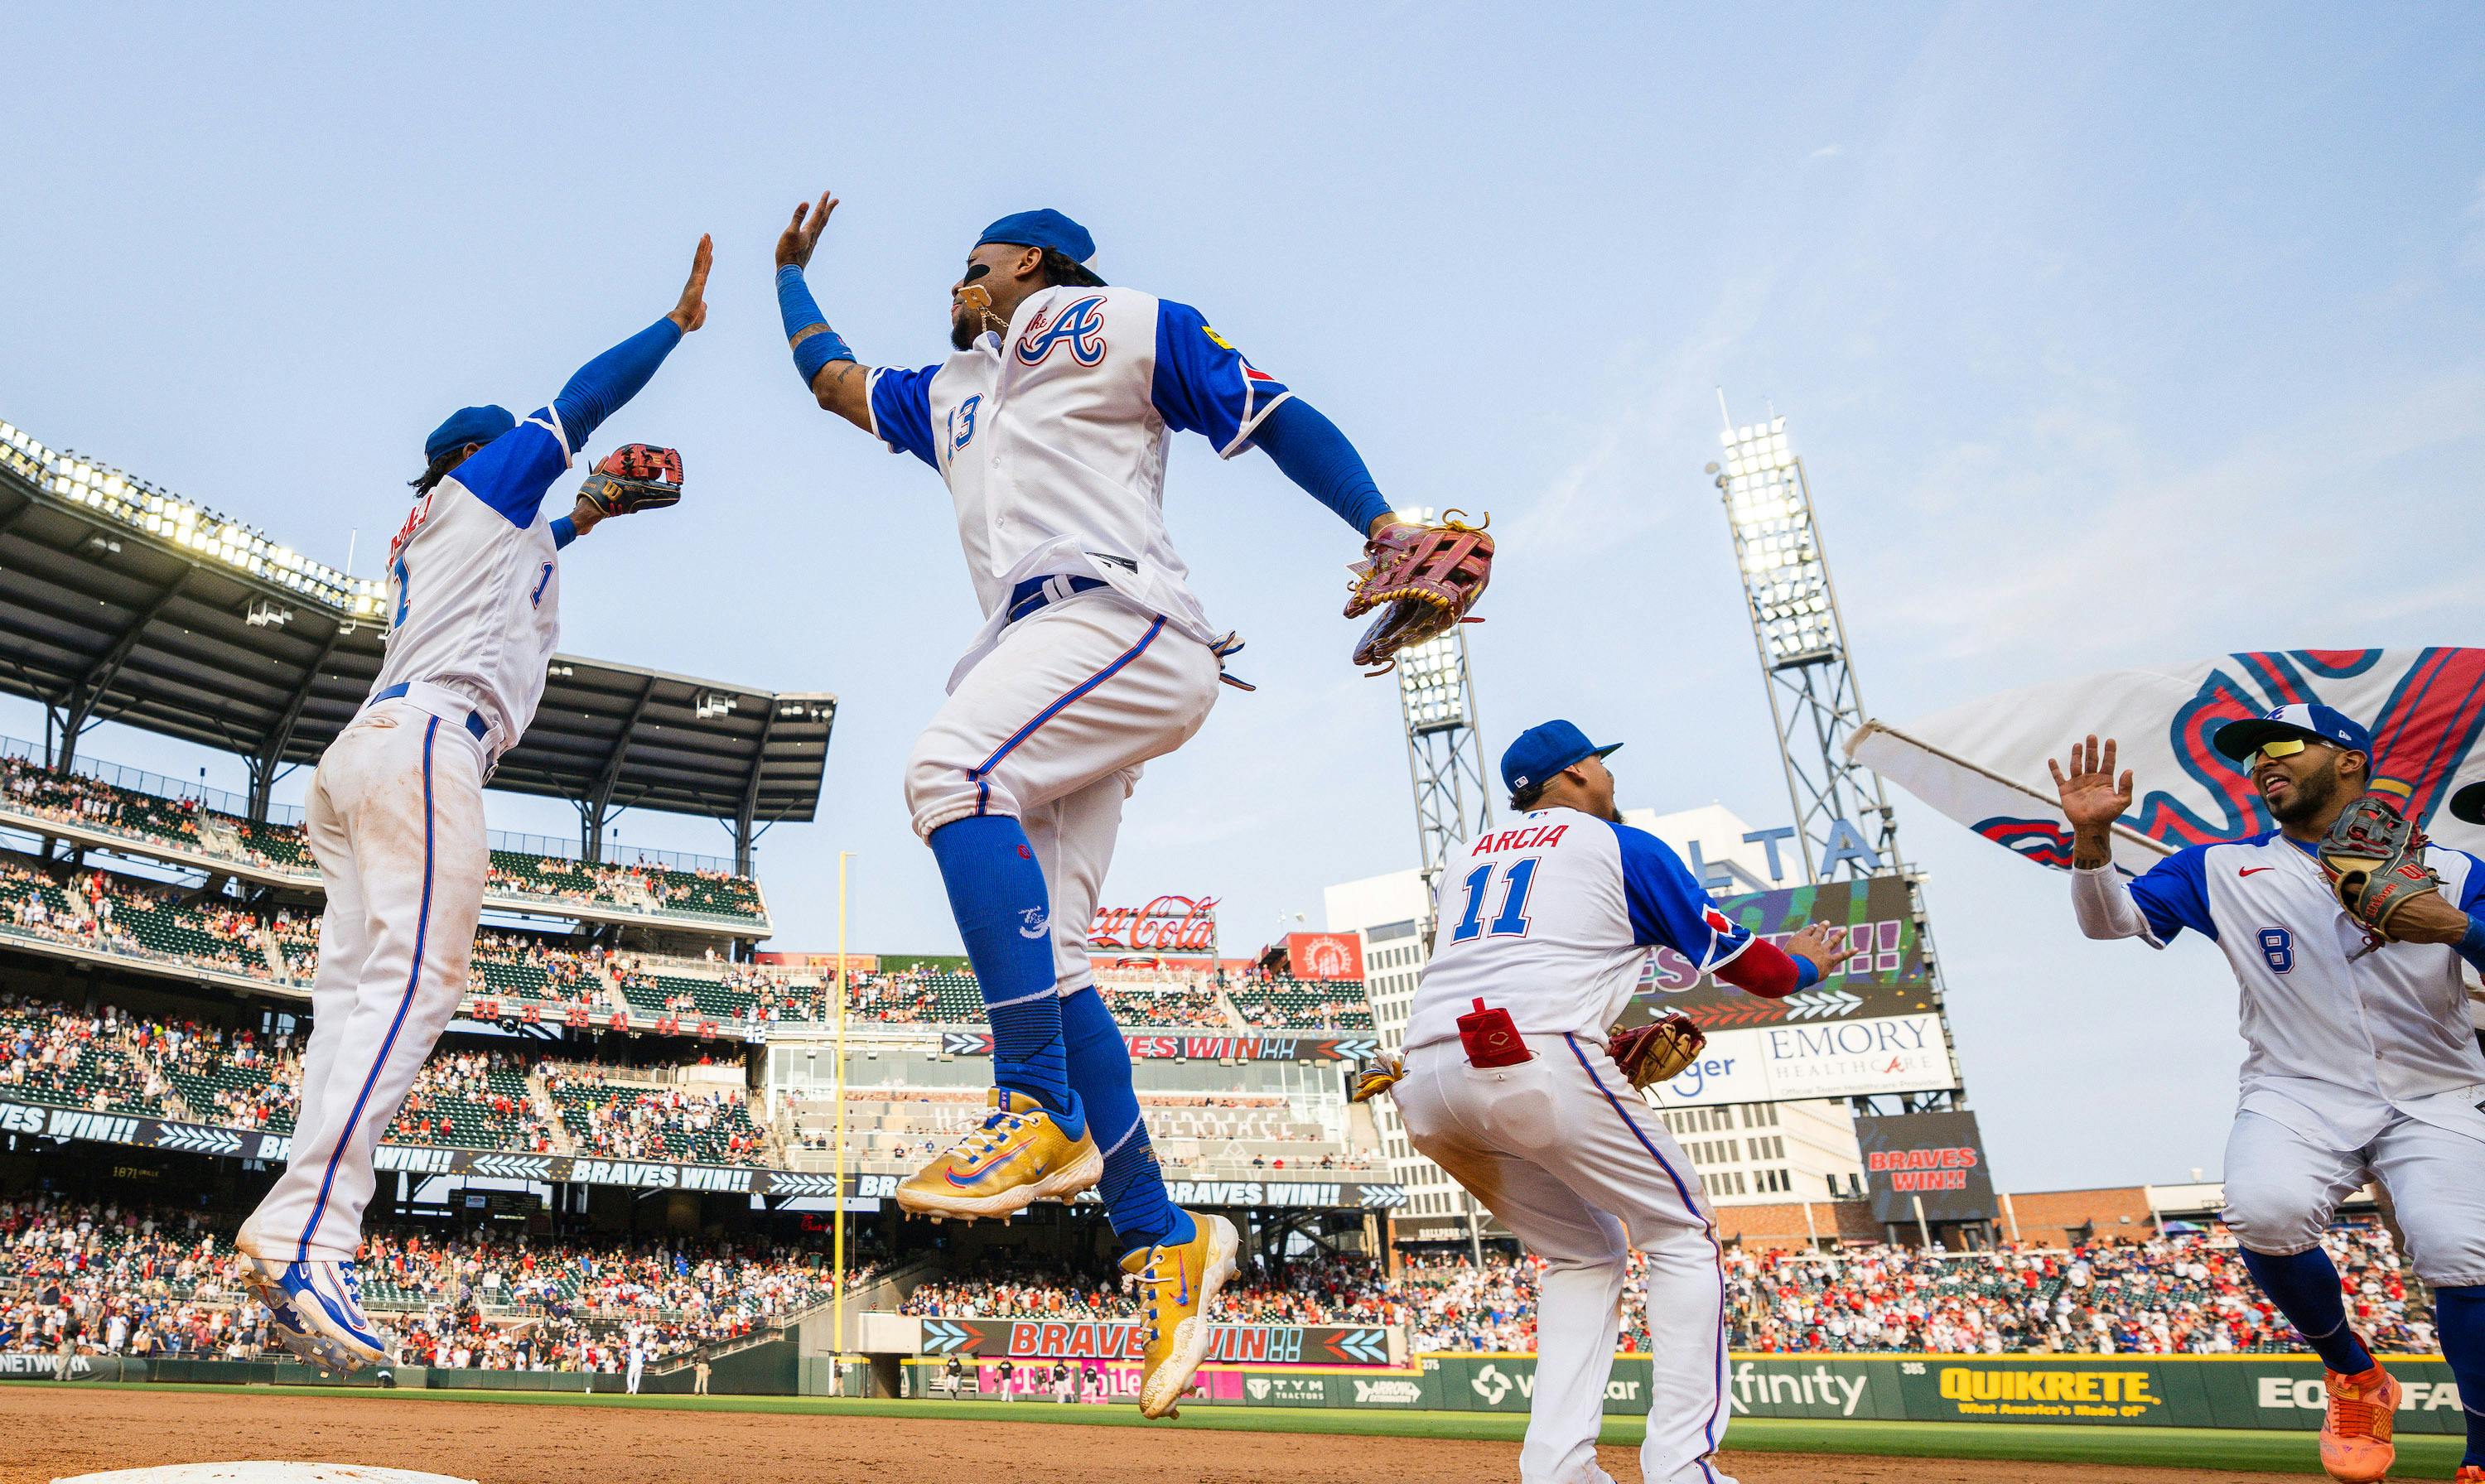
396,812
1050,425
1542,928
2359,1063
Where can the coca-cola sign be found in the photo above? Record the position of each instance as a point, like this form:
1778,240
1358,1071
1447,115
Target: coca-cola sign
1185,926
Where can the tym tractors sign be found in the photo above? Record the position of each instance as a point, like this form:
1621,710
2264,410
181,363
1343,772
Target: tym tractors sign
1168,927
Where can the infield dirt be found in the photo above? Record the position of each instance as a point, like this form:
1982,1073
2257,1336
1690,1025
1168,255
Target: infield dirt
46,1433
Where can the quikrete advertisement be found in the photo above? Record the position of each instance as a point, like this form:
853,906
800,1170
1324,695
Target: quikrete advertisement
2270,1392
1937,1158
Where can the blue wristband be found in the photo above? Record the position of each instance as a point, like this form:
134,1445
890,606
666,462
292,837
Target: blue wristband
2472,946
801,312
1806,972
564,530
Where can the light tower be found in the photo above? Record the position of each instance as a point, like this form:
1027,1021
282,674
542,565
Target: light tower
1841,813
1444,752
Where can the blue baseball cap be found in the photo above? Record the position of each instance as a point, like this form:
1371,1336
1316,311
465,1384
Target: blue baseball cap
467,425
1543,751
2240,740
1045,228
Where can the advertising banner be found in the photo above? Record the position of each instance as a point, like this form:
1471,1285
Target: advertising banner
863,1191
1983,764
1936,1158
1324,955
2261,1392
1888,978
1168,927
2123,1390
1208,1047
1117,1340
1832,1059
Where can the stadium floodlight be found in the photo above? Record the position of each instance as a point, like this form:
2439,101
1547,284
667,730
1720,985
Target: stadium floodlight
141,507
708,705
1795,613
1432,684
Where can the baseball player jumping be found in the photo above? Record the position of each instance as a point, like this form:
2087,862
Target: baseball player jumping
396,812
2359,1064
1543,928
1051,423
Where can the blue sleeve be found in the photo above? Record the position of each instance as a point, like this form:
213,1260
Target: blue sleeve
1668,909
511,472
2174,895
901,410
1203,385
601,385
1314,454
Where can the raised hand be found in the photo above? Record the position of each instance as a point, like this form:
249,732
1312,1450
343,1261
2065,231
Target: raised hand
2093,798
692,311
801,234
1813,943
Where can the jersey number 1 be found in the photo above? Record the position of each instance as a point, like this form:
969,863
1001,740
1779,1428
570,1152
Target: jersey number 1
1511,922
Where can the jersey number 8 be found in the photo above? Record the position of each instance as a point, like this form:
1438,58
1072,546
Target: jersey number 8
2277,946
1511,922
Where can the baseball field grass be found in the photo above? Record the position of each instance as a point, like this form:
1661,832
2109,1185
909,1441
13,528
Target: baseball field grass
2421,1456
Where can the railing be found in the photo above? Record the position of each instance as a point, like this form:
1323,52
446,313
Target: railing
139,780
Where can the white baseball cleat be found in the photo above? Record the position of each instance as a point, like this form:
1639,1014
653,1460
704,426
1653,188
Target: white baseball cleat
315,1311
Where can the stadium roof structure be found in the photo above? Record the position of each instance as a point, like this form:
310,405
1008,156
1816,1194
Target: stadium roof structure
122,601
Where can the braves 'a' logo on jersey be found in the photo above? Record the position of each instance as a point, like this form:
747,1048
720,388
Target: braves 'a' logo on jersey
1080,327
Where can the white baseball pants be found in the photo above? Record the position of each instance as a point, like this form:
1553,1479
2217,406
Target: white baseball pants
395,821
2282,1188
1566,1153
1053,727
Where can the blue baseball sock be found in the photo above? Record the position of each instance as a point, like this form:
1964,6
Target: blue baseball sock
2305,1288
996,893
2459,1313
1133,1189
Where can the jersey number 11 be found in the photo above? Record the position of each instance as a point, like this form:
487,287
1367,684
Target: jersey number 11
1511,922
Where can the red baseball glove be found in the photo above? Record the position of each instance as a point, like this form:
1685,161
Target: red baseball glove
1657,1051
634,477
1428,576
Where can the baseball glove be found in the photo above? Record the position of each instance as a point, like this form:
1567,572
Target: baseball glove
1376,1079
1428,577
1657,1051
2374,857
634,477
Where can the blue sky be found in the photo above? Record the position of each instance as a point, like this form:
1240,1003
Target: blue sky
2110,336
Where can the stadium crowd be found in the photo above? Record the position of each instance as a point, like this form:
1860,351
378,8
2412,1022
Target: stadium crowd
181,824
109,1060
2181,1295
149,1281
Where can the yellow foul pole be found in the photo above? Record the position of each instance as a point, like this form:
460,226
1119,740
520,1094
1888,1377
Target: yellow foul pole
839,1321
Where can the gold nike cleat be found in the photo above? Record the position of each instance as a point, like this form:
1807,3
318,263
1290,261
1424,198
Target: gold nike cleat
1016,1157
1182,1281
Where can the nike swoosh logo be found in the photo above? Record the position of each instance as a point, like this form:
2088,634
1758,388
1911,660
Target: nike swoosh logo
977,1171
2250,869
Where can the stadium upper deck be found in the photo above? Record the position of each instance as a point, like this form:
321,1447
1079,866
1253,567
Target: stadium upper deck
122,601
